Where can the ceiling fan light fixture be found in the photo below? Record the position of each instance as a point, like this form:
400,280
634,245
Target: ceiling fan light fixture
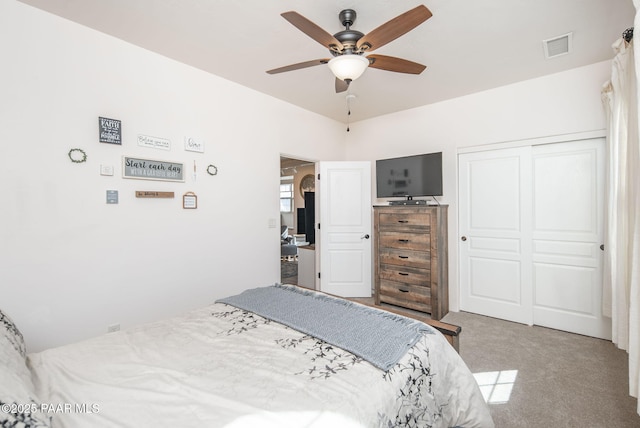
348,67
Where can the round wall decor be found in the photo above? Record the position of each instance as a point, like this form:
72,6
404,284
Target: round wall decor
307,184
77,155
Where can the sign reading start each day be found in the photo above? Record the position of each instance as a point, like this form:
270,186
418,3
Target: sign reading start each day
146,169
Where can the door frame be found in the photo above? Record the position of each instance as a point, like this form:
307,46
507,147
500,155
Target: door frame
277,222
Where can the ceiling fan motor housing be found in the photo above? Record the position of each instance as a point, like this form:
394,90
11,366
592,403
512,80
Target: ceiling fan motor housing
347,37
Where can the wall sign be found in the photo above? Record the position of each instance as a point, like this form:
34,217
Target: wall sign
154,142
146,169
189,201
193,145
110,130
112,196
152,194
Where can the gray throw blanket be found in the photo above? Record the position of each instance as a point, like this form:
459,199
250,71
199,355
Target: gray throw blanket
376,336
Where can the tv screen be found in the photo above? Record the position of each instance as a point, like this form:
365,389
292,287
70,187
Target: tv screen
409,176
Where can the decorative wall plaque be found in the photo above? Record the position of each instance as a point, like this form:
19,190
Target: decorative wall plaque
147,169
193,145
154,142
110,130
189,201
153,194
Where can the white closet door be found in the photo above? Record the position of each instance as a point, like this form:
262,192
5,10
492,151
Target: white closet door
494,217
568,183
532,222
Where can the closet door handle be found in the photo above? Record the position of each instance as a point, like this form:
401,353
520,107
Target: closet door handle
602,247
464,238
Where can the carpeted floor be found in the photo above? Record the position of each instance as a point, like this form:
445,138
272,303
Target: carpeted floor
539,377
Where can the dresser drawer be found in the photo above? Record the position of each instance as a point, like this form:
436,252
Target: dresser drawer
406,220
407,296
404,240
405,275
418,259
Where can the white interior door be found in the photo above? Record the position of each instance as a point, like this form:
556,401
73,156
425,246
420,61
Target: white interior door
344,211
494,213
568,188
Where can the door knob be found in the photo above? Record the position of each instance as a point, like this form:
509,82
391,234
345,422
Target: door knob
366,236
464,238
602,247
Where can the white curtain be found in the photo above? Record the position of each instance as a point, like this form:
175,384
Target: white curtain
621,298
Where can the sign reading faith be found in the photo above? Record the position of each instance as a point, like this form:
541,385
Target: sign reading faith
146,169
110,130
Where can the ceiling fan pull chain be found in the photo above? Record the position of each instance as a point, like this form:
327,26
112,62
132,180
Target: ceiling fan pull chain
349,98
348,117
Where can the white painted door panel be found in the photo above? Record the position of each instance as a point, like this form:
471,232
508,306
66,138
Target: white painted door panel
494,191
568,183
345,228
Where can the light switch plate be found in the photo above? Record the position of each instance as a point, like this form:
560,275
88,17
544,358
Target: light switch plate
106,169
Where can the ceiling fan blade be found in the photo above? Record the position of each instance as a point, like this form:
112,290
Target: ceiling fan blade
341,85
312,30
391,63
393,29
298,66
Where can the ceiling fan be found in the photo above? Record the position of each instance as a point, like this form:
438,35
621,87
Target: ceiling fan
349,47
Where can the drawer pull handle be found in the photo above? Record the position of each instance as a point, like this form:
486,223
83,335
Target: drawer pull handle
404,257
403,221
403,291
403,240
403,273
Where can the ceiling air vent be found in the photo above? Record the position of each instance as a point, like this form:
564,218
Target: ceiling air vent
557,46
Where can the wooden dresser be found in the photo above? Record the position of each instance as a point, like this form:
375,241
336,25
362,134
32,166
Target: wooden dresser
411,260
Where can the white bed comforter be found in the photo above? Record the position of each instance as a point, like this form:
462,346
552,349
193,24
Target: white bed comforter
220,366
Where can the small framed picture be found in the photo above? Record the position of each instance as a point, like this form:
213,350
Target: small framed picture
189,201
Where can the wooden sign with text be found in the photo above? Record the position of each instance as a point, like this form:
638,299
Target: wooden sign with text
151,194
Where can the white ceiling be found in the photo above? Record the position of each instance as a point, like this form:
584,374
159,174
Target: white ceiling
467,46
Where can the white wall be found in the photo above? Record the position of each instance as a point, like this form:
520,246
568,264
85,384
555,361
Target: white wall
70,265
563,103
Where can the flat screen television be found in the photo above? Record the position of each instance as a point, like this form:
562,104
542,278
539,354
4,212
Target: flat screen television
409,176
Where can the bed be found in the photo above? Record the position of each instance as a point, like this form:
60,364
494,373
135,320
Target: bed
277,364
